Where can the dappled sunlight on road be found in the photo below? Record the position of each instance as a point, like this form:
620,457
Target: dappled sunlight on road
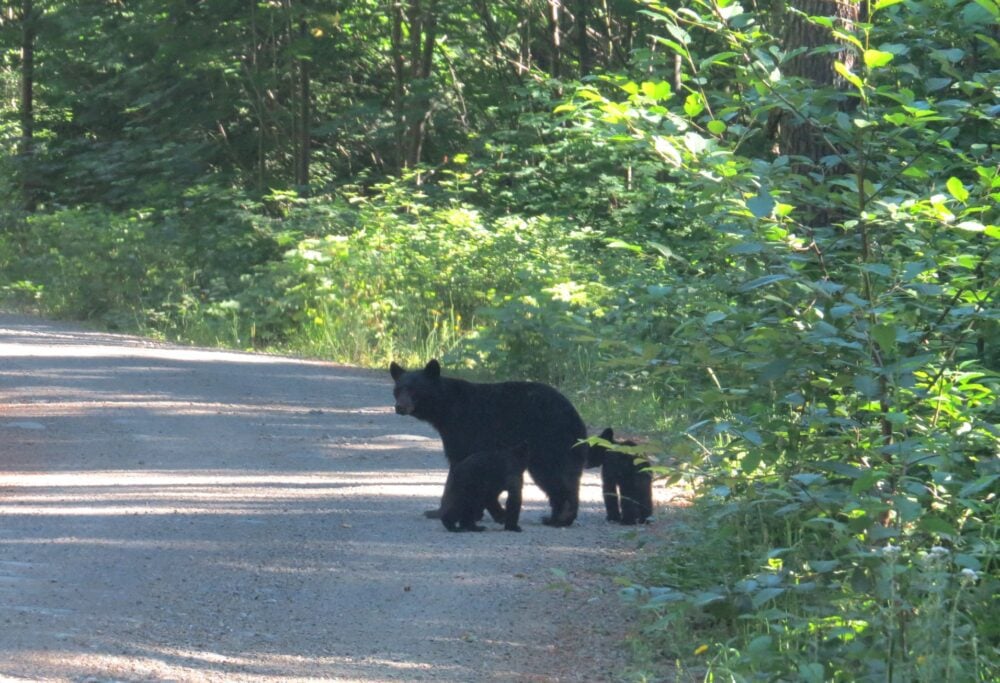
147,662
165,407
151,492
41,345
226,493
195,515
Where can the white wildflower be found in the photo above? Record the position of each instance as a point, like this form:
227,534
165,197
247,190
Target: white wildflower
969,575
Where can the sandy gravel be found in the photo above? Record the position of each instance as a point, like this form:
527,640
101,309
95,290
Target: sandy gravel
169,513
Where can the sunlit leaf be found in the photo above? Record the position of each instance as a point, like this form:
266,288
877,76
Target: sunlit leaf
842,69
659,90
877,58
666,149
694,105
957,189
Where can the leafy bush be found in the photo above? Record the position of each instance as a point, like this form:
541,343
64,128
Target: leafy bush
835,358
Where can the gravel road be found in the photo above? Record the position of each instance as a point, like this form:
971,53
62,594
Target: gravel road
169,513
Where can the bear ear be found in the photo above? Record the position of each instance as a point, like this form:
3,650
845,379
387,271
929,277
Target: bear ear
433,369
608,434
396,370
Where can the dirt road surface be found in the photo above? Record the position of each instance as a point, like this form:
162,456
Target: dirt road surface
169,513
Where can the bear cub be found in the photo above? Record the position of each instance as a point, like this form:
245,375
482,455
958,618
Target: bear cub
475,484
489,418
627,484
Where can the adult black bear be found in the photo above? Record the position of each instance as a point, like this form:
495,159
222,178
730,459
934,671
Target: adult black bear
627,484
476,418
476,483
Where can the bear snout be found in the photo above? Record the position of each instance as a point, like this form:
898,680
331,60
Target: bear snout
404,405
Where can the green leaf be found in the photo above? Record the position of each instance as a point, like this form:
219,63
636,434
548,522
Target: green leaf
848,38
882,4
716,127
842,69
808,478
908,509
761,206
952,55
621,244
673,45
812,672
880,269
957,189
823,566
936,525
979,485
750,462
877,58
720,58
867,385
760,646
990,6
766,595
694,105
867,479
885,335
657,91
706,598
762,282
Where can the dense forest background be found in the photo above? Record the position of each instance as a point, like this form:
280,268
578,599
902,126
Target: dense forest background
765,235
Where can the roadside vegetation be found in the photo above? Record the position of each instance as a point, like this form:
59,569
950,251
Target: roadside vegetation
766,237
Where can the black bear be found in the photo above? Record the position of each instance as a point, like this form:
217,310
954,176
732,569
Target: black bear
477,482
476,418
627,483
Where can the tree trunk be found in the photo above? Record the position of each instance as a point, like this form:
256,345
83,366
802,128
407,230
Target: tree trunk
583,46
555,39
423,62
607,33
27,105
800,138
399,80
305,129
524,33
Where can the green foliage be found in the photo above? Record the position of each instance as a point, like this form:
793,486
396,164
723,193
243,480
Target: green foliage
835,356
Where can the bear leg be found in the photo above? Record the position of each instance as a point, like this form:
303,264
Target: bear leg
562,490
513,512
564,511
609,486
497,512
630,510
